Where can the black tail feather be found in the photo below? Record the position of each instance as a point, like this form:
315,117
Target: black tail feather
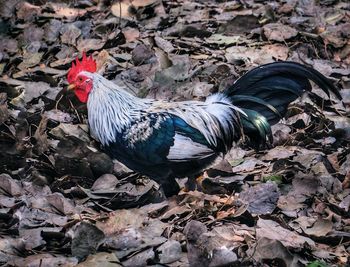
270,88
256,127
294,71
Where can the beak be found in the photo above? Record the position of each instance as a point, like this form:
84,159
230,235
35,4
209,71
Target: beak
71,87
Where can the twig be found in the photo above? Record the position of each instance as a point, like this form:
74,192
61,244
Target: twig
58,101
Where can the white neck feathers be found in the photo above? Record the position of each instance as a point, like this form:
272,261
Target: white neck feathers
110,109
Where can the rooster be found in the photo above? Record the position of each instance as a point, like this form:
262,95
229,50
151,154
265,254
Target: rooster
167,140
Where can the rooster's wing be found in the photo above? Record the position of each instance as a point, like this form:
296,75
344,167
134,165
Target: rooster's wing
160,140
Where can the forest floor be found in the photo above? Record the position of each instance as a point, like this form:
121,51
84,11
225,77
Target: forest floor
65,203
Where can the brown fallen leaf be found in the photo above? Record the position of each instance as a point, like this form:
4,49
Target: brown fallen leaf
314,227
52,30
102,259
30,60
269,249
106,181
240,24
8,45
120,220
250,164
225,213
86,45
62,11
10,186
142,54
345,203
121,9
261,199
279,32
61,204
58,115
4,113
70,34
31,90
44,259
279,152
140,259
272,230
266,54
336,35
79,131
163,44
346,182
169,252
206,248
131,34
291,202
40,135
27,11
86,238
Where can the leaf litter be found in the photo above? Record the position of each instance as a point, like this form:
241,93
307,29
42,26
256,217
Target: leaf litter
65,203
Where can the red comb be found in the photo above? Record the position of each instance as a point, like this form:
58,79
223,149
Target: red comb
86,64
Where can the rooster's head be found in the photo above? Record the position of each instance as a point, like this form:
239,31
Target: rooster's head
78,81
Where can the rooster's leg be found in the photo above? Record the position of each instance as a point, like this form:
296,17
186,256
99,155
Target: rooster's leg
194,183
170,186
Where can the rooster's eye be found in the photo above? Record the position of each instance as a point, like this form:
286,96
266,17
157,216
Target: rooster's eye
80,79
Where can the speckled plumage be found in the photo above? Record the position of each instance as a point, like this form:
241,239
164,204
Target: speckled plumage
216,118
158,138
165,140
